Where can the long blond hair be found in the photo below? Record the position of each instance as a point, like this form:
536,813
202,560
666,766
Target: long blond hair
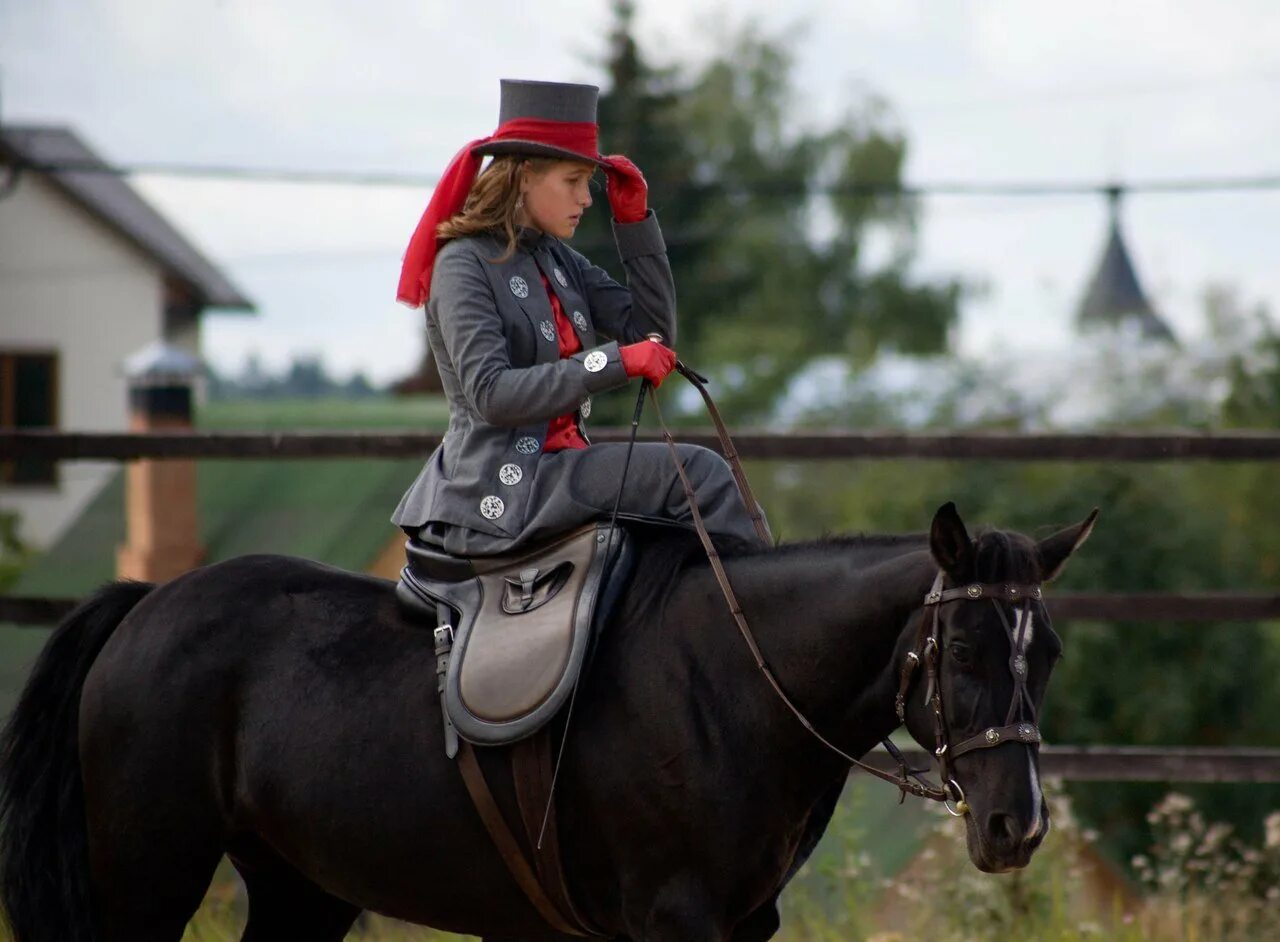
491,205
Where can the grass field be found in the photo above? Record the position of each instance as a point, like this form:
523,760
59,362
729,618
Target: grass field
421,413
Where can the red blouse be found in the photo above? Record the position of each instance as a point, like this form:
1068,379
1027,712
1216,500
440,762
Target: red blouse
562,431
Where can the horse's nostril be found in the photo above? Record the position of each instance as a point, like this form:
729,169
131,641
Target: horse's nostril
1004,829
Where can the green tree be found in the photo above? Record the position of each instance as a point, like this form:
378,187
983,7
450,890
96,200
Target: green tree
1254,371
744,192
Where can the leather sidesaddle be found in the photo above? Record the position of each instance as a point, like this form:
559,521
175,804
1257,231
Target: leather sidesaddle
513,631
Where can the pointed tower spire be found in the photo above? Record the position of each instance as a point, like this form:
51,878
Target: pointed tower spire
1115,296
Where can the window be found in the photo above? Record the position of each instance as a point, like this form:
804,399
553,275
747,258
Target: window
28,399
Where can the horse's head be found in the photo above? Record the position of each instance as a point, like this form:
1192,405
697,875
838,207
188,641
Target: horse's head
984,644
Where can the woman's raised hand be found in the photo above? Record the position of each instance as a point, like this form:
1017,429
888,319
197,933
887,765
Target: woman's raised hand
648,359
628,193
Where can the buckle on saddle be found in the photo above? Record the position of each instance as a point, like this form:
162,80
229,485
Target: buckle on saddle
444,637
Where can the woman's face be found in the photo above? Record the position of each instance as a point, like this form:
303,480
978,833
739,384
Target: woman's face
555,199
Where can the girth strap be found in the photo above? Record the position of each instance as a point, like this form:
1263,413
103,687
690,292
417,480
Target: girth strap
534,775
506,843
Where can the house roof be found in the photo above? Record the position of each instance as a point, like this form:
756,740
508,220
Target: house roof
1114,295
107,196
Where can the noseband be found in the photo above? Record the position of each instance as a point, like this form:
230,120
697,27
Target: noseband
1020,721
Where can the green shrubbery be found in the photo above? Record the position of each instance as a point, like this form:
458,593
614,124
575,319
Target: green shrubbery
1198,882
14,554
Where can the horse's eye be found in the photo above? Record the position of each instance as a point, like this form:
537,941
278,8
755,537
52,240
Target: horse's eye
961,653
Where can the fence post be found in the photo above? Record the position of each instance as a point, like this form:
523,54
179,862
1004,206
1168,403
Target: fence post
162,535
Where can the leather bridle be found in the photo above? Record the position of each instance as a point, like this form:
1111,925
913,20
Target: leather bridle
1020,721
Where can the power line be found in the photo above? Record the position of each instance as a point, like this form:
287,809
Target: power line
1026,188
1048,97
225,172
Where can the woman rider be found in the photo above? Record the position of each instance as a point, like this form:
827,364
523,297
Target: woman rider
524,330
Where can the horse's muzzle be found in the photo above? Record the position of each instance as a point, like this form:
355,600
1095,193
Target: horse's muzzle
1003,842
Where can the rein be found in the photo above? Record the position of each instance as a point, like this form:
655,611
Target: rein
560,913
556,907
926,649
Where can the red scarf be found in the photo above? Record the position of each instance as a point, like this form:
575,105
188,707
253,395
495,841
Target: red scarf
562,431
451,193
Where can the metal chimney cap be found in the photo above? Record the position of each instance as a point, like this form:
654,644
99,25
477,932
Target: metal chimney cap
160,363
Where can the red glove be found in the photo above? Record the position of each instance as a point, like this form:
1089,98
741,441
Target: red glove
648,359
628,193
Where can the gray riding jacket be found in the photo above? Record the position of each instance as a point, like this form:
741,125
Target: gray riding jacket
492,330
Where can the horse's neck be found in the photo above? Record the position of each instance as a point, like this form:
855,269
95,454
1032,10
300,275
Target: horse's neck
828,618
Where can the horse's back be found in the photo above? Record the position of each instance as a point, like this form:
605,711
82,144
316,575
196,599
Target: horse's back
215,619
239,672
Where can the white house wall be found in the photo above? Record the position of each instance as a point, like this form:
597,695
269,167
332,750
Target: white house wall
70,284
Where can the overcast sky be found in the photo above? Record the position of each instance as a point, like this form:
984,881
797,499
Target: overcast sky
987,91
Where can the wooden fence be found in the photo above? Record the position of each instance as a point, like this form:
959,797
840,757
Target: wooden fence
751,443
1079,763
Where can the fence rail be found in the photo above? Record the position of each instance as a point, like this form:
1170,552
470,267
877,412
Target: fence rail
1107,606
1077,763
1136,763
1178,445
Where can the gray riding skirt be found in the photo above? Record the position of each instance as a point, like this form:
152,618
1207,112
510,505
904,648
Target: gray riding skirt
577,485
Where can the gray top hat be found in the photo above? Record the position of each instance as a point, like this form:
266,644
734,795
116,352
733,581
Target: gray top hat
548,101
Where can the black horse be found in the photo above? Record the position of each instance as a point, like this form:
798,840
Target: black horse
283,713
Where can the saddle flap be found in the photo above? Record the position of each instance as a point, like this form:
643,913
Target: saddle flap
519,647
522,624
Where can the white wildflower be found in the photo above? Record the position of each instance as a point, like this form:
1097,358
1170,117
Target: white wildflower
1174,803
1273,830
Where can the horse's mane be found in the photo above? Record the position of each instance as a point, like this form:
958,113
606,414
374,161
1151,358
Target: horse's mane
663,552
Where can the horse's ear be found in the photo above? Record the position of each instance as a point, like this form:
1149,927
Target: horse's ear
949,541
1054,551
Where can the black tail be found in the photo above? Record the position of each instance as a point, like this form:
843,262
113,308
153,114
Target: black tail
44,858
